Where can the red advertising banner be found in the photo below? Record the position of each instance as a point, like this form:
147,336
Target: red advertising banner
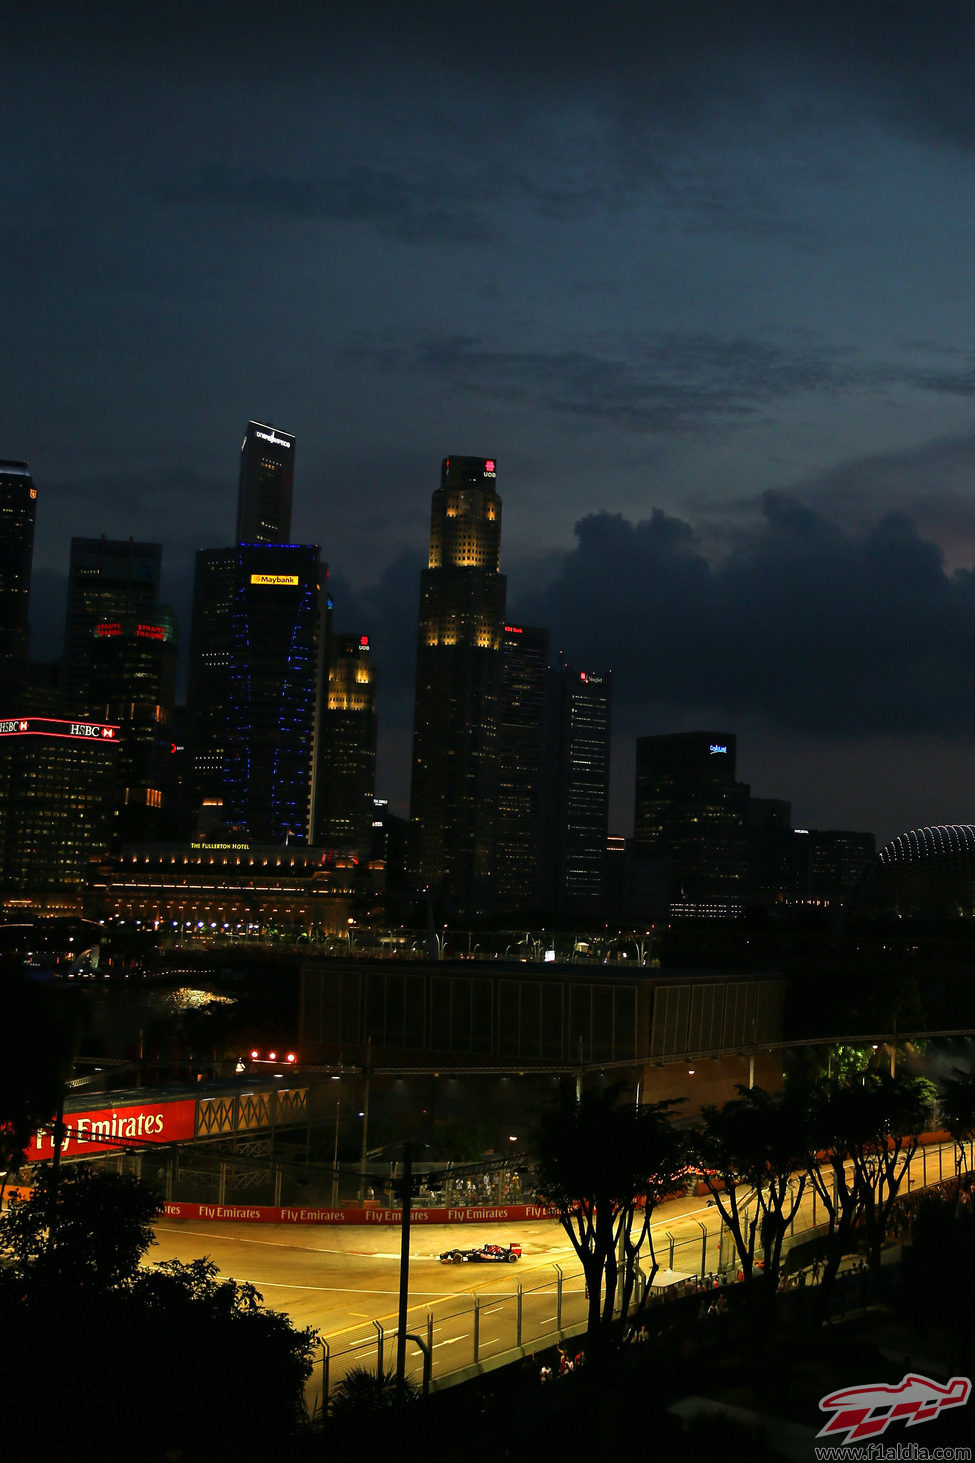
158,1122
261,1214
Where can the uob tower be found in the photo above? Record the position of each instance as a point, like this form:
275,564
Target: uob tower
458,677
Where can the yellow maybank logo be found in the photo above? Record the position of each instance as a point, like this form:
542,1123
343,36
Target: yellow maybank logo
274,579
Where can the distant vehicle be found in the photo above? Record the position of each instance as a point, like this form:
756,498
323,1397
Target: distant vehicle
485,1255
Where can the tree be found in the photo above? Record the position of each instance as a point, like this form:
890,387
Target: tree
757,1142
958,1111
889,1117
85,1227
604,1164
362,1391
163,1362
39,1035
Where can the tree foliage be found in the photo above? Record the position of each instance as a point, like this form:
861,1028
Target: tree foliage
604,1164
752,1152
39,1036
160,1362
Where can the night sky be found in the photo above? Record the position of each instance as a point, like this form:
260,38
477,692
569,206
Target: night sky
700,276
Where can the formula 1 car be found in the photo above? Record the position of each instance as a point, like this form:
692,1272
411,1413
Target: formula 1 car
486,1255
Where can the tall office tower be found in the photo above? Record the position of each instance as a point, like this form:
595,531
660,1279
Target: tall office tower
521,742
274,691
458,679
267,475
57,796
132,683
690,811
107,578
345,786
577,811
18,500
208,690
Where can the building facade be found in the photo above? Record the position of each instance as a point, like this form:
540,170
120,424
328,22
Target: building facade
577,804
346,777
458,682
690,811
132,683
521,767
18,503
274,693
267,474
107,578
57,800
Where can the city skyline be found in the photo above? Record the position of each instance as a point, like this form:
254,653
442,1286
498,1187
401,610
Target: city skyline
698,278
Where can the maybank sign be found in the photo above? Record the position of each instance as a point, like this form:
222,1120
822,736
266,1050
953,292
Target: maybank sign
274,579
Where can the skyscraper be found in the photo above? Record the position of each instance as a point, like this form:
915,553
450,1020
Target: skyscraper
577,812
274,691
132,683
346,778
107,578
18,499
521,743
458,678
211,647
267,474
691,811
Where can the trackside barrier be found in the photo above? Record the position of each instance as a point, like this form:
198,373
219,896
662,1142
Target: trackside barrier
277,1214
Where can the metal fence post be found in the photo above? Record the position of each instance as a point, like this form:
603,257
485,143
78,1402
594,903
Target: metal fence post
704,1248
430,1338
379,1348
521,1298
477,1326
558,1298
222,1183
924,1167
670,1261
277,1187
326,1359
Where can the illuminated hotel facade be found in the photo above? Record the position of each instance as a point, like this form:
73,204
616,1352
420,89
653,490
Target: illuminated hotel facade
458,681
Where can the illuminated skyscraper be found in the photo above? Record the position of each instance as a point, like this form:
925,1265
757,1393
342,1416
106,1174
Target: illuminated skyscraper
18,498
132,683
274,691
458,680
346,775
211,646
267,475
107,578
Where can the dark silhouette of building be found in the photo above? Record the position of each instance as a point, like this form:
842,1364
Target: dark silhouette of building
690,813
346,774
267,474
208,690
132,683
107,579
521,747
458,681
18,501
274,691
57,800
577,800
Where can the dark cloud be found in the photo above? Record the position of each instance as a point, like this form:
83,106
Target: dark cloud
815,629
671,383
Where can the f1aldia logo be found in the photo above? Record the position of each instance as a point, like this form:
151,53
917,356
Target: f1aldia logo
866,1412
